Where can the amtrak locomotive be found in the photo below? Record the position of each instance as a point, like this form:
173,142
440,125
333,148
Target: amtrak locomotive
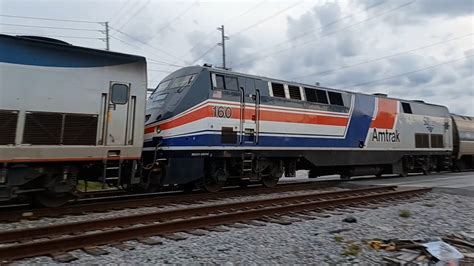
70,113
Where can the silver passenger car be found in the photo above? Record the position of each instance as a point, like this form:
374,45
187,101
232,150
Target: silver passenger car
67,113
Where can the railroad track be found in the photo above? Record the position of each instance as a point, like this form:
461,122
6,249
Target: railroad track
116,202
58,239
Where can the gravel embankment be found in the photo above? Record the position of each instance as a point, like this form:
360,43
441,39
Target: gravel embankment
306,242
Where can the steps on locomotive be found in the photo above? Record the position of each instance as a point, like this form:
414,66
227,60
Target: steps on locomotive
112,171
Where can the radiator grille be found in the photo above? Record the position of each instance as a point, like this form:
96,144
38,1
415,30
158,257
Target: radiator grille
58,128
43,128
80,130
8,121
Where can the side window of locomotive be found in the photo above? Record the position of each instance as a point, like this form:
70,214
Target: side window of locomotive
219,82
294,92
335,98
406,108
278,90
231,84
119,94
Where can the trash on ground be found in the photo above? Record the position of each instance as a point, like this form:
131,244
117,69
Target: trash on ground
456,249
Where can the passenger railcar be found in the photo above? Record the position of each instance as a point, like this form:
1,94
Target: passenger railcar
228,127
463,145
67,113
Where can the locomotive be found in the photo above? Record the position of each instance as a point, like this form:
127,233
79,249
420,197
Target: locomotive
70,113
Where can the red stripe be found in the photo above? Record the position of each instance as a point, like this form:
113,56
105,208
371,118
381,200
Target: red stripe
265,115
386,114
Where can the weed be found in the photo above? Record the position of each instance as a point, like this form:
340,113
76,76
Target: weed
352,250
405,213
338,239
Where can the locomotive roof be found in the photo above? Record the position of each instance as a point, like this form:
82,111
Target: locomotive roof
219,70
50,42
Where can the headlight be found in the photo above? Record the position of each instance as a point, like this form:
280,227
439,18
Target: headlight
157,129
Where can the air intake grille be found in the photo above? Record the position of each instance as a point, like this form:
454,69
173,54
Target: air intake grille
43,128
58,128
80,130
8,120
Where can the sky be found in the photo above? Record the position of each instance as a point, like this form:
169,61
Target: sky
410,49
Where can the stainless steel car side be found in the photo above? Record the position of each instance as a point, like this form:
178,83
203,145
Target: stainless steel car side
67,112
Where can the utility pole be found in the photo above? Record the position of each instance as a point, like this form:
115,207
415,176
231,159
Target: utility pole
107,38
222,43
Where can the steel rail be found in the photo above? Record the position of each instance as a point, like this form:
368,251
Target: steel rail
68,228
130,201
66,243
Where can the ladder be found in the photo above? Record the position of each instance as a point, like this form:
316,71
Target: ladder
112,172
247,164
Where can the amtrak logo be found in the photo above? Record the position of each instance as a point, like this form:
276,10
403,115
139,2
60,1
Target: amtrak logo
428,124
386,136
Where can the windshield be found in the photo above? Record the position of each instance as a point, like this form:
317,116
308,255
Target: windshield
182,81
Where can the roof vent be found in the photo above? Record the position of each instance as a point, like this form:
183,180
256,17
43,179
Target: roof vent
419,101
207,65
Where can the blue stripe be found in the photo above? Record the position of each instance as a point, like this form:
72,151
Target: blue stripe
22,51
358,128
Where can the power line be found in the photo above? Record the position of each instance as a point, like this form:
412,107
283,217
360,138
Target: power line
139,10
51,19
58,36
144,43
383,58
175,18
204,54
330,33
148,58
162,63
161,71
119,10
267,18
408,73
46,27
302,35
211,32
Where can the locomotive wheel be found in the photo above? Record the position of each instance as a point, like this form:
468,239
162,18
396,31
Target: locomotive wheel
212,185
52,200
270,181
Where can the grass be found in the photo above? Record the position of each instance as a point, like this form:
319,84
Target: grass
338,239
352,250
404,213
91,186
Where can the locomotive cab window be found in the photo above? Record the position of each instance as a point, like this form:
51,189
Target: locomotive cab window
119,93
335,98
294,92
278,90
226,83
406,108
231,84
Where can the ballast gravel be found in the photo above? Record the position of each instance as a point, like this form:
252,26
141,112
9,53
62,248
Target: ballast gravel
318,241
47,221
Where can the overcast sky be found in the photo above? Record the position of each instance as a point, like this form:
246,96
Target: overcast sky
413,49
